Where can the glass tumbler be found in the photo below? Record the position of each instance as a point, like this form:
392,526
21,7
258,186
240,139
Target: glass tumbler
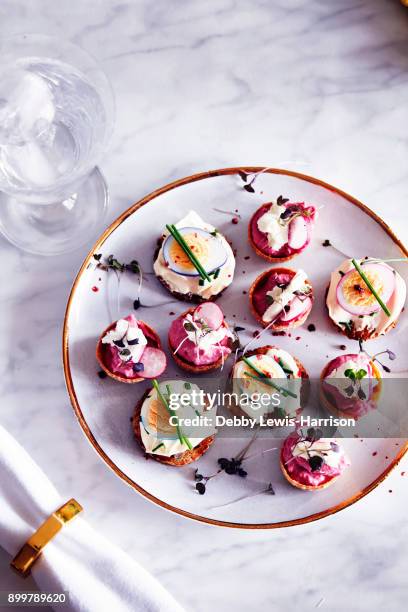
56,119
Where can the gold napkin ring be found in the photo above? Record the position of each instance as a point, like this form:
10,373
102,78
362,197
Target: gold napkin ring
28,555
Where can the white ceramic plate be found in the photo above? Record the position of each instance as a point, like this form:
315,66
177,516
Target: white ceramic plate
104,407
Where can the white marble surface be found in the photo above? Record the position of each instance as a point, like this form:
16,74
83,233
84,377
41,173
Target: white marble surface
317,86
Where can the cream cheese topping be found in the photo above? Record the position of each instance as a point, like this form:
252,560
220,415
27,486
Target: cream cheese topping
203,336
282,297
190,284
379,321
320,448
131,338
158,435
272,225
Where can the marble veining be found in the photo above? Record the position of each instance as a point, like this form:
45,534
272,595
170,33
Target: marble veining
315,86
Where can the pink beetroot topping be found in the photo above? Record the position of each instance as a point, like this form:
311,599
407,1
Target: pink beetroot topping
260,299
189,351
260,239
354,406
301,471
111,354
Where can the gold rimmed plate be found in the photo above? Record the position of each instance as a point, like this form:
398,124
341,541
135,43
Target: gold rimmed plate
104,407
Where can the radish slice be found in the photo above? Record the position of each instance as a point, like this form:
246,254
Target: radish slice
154,362
353,294
211,314
297,307
298,233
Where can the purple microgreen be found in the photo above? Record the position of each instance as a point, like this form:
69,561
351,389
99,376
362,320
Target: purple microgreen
281,200
227,212
315,463
361,394
269,490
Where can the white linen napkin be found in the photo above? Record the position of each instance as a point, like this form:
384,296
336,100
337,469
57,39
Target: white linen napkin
96,574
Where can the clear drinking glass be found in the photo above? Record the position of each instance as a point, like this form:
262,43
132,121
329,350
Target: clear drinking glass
56,118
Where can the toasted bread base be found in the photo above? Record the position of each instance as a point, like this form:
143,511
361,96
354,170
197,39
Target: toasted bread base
305,387
329,407
175,460
276,327
118,377
304,487
362,334
192,367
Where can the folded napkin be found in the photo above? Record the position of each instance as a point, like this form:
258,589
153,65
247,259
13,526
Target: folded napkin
96,574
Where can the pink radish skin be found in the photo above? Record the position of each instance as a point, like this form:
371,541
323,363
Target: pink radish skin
297,307
388,279
154,361
298,233
211,314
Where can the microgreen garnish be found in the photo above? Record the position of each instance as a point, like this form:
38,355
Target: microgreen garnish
281,200
314,434
355,376
269,490
194,260
248,184
391,357
317,460
371,288
231,466
114,264
182,438
377,260
262,377
347,324
227,212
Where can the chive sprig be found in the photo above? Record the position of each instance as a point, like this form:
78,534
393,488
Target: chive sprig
194,260
371,288
182,438
266,380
